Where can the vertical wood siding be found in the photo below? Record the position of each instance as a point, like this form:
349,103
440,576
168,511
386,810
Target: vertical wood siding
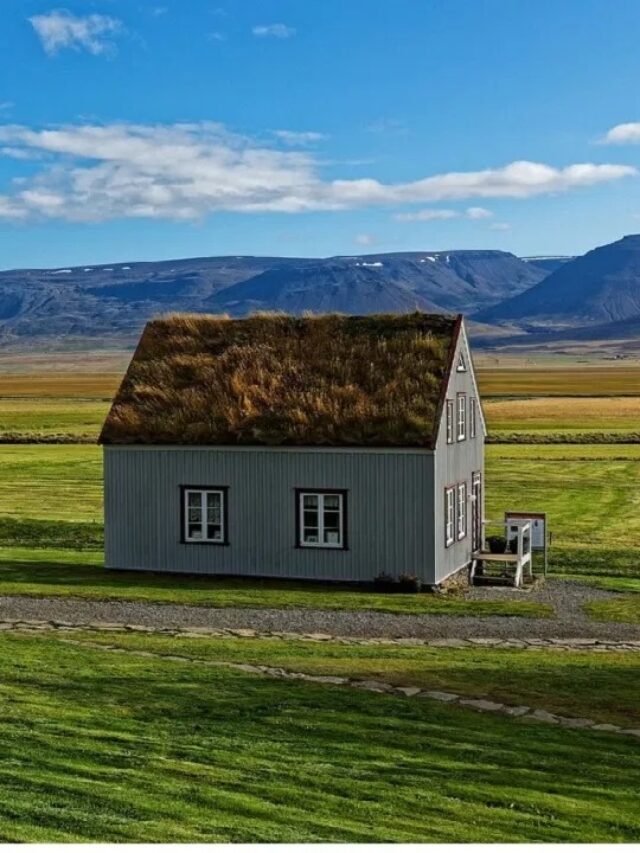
390,511
456,463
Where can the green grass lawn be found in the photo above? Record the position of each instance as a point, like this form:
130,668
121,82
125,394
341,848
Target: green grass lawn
50,417
102,747
44,572
623,609
51,482
601,686
51,503
590,494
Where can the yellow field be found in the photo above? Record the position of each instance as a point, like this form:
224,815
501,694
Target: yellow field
581,380
100,386
583,414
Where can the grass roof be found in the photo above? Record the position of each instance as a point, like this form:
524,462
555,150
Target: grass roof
329,380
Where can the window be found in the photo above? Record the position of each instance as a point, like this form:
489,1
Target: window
449,516
449,421
472,417
462,365
321,519
462,510
462,417
204,514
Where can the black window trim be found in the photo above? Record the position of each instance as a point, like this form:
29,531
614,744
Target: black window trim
225,514
311,490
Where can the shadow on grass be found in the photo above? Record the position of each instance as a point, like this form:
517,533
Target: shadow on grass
101,747
81,574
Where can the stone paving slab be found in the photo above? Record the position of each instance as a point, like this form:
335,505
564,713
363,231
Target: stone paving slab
480,705
573,644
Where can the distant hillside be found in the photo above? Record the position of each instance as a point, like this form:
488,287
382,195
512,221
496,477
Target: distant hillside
453,281
601,287
549,263
111,303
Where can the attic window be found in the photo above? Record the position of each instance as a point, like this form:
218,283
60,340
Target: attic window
462,364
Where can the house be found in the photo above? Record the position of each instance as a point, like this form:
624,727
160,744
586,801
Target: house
329,447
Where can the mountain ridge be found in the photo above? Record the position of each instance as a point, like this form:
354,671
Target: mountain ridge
113,301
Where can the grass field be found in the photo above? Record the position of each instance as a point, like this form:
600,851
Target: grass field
52,495
562,380
97,746
103,747
602,686
525,403
564,416
43,572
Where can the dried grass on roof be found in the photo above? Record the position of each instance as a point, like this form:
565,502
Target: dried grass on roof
279,380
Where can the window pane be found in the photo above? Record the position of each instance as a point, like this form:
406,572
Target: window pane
310,518
194,531
310,501
213,500
310,534
332,537
195,515
331,501
214,531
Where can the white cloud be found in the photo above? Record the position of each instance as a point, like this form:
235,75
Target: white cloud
426,215
216,35
365,239
431,214
299,137
6,105
623,134
186,171
478,213
500,226
279,31
61,29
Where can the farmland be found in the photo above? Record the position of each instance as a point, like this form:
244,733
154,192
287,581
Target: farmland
99,746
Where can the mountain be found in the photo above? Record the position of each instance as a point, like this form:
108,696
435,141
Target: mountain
111,303
548,263
598,288
440,281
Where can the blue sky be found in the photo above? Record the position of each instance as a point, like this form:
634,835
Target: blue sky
146,130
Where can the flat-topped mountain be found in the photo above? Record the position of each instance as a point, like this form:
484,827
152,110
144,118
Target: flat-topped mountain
112,302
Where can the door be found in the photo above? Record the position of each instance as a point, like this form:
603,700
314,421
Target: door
476,511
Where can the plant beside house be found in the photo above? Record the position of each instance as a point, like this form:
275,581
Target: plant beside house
405,583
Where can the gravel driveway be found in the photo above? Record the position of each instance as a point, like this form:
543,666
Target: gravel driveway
566,597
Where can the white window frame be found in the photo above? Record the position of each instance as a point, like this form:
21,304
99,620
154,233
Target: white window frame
204,493
461,417
449,515
462,364
472,417
340,545
461,510
449,417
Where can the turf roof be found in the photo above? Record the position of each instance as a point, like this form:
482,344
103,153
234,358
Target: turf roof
329,380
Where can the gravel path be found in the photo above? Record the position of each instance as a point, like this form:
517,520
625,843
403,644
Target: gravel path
566,597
